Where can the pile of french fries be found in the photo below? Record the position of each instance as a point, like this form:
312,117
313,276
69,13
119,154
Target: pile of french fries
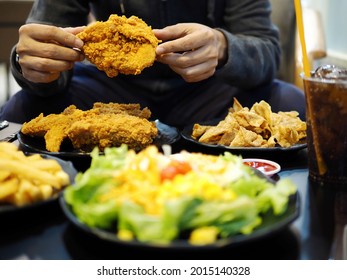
25,179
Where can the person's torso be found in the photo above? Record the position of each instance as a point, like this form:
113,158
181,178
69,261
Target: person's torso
156,13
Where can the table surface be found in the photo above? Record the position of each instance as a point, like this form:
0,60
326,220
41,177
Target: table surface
45,233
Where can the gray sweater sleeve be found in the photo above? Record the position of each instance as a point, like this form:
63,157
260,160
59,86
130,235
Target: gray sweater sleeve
41,89
253,44
60,13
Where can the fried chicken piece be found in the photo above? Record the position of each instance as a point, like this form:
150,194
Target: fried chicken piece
53,127
112,130
104,125
56,135
40,125
120,108
119,45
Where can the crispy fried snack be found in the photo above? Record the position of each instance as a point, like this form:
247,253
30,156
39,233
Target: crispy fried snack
25,179
119,45
121,108
112,130
53,127
105,125
255,127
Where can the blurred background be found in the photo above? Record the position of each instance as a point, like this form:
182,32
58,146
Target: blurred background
12,15
333,14
325,28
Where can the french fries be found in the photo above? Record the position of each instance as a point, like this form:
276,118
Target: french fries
28,179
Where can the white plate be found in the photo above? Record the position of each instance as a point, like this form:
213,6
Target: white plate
268,167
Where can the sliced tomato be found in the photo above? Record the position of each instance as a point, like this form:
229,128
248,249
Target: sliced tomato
174,168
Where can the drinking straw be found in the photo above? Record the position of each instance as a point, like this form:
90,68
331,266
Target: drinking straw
322,168
300,26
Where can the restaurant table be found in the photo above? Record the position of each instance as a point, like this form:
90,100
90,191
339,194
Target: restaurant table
45,232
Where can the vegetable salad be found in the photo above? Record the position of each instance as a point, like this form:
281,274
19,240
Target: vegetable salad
151,197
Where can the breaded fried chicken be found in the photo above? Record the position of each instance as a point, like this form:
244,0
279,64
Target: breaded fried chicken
121,108
53,127
112,130
119,45
105,125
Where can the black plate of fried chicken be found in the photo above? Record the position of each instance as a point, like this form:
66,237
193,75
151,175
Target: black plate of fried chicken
74,133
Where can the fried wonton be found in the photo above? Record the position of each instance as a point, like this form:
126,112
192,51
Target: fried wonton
254,127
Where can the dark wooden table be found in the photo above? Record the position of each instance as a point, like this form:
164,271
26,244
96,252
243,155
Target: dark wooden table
45,233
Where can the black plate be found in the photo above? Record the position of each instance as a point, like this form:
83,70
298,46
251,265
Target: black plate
270,225
187,132
66,166
81,160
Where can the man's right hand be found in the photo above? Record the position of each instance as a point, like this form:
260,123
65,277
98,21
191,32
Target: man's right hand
45,51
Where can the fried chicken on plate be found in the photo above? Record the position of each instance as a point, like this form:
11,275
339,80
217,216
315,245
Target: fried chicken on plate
112,130
119,45
53,127
132,109
105,125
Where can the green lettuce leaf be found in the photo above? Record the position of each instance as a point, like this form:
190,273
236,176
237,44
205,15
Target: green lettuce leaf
84,196
159,229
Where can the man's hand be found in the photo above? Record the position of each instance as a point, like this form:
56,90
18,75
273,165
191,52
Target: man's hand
45,51
191,50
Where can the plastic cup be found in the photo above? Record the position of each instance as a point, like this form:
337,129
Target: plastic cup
326,117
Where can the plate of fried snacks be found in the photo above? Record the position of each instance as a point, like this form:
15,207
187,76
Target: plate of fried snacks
182,200
28,180
73,133
256,129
